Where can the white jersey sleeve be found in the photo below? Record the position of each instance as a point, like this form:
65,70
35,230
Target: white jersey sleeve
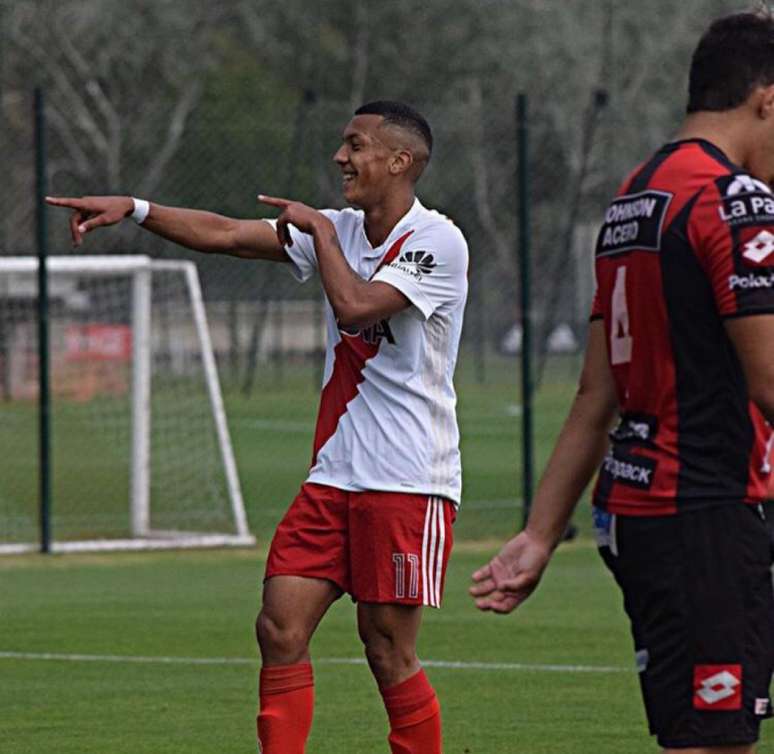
431,268
303,259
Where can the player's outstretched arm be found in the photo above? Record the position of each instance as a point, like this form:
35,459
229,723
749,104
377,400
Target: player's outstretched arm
514,573
195,229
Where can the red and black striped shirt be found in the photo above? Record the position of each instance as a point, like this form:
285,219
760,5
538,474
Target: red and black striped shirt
687,242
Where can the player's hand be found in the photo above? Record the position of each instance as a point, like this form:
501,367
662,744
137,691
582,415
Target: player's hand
512,575
305,218
89,212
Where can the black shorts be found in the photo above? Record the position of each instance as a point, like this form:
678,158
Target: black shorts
768,511
698,592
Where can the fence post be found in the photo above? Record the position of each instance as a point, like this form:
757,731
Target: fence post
522,192
44,394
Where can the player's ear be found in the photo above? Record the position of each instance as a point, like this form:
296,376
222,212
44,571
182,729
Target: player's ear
765,103
401,161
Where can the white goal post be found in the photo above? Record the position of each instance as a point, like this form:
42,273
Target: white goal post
131,350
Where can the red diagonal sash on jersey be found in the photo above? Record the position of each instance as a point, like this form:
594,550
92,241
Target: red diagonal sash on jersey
350,357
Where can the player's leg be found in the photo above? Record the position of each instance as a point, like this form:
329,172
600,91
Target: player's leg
292,609
400,546
389,634
306,571
697,589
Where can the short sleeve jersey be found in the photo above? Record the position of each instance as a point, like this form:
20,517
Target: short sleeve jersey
387,416
687,243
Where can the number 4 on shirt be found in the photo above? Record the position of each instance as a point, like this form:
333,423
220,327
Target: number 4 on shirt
620,338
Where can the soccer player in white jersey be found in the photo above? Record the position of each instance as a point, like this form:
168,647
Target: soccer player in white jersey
374,518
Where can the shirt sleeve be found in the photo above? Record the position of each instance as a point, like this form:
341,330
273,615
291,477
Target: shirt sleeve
431,268
731,229
303,259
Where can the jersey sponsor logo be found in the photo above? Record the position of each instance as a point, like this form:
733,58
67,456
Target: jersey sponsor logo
749,209
630,470
635,428
633,221
746,201
750,281
415,263
746,184
760,248
762,706
373,334
717,687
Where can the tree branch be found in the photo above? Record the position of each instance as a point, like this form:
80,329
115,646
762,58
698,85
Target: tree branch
481,181
360,57
185,104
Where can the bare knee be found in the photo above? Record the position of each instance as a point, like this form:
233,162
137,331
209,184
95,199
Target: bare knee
281,643
391,661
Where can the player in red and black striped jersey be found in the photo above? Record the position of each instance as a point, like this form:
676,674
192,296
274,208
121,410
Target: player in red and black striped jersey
686,245
680,361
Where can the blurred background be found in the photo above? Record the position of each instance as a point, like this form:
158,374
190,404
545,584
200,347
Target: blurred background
205,105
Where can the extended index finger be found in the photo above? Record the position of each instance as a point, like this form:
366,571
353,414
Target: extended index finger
65,201
274,201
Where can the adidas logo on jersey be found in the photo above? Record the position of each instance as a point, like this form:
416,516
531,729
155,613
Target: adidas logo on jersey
760,248
416,263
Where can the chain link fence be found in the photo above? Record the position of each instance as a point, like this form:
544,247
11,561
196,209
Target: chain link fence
208,111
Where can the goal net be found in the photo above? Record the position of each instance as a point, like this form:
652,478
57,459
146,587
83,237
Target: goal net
141,455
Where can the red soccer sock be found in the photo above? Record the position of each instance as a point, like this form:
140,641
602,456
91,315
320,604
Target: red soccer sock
415,716
287,704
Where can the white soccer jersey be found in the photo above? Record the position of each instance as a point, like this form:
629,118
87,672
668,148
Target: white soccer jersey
387,416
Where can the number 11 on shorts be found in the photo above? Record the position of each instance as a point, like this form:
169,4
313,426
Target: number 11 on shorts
400,559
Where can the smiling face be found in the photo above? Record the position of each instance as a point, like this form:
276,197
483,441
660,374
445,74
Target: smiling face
369,161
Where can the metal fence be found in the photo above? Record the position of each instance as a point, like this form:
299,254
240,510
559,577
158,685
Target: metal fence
207,113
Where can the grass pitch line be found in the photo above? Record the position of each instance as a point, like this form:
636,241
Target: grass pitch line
443,664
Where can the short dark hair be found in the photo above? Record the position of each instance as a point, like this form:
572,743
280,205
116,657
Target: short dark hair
401,115
735,55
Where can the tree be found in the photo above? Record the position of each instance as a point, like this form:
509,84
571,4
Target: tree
121,77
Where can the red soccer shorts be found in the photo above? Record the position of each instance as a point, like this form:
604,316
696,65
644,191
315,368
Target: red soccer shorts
387,547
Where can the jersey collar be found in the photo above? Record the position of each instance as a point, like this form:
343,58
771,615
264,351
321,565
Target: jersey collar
708,146
403,225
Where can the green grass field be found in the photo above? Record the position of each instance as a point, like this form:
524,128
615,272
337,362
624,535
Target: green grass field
272,433
154,652
201,606
196,610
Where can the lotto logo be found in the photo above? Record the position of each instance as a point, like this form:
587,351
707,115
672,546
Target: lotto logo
717,687
759,248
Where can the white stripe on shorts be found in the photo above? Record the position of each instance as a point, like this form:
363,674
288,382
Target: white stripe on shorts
433,543
441,540
425,599
431,553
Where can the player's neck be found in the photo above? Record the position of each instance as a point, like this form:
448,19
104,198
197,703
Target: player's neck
728,131
383,217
